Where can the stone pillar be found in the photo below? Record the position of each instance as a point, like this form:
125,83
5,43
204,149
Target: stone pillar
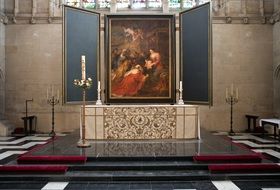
244,8
276,5
2,62
113,6
165,6
51,8
276,67
261,8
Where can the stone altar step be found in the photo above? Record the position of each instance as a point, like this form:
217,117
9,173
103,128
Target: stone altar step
140,158
139,166
110,176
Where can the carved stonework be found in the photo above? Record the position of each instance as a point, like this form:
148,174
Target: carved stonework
139,122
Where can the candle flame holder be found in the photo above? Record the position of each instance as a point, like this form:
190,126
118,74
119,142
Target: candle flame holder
180,101
84,84
98,101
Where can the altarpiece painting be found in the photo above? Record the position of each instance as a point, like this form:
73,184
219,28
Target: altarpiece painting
140,56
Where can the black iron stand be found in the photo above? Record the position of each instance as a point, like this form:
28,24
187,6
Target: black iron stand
52,101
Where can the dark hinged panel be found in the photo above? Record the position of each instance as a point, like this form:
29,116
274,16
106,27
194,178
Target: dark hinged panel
196,64
81,37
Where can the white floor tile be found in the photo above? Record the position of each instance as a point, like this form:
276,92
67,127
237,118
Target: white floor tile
6,138
10,153
225,185
249,136
254,145
269,152
47,134
24,146
278,188
55,186
28,138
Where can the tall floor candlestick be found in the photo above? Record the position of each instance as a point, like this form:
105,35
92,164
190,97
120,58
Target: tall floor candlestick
231,100
52,101
84,84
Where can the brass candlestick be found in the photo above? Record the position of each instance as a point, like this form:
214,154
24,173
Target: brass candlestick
84,84
181,101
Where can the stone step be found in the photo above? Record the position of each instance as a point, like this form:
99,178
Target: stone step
139,158
107,176
139,166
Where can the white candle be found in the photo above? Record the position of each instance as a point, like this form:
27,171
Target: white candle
52,89
47,92
236,93
57,94
180,85
231,90
226,93
98,87
83,62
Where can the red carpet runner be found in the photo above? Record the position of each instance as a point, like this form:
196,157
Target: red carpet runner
244,168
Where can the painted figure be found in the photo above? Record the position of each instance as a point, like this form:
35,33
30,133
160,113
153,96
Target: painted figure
131,84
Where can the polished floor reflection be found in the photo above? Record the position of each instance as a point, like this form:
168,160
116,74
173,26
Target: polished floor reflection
208,144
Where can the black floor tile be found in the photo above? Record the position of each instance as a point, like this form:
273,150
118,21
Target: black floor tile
246,184
21,185
116,186
97,186
138,186
183,185
201,185
76,185
162,185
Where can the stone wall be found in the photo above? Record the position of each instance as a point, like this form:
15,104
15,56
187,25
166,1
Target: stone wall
2,63
276,66
242,54
34,62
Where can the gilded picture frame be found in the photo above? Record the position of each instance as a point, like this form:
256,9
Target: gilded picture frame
140,58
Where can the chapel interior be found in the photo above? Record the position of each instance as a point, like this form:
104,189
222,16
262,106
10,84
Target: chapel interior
244,58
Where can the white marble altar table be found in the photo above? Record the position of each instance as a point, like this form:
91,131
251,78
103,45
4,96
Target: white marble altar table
142,122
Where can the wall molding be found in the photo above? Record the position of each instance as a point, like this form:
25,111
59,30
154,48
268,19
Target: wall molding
11,19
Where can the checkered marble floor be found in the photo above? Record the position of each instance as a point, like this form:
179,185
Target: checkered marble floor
258,144
146,185
12,146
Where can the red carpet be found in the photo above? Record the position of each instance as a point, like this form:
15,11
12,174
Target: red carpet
33,169
51,159
224,158
244,168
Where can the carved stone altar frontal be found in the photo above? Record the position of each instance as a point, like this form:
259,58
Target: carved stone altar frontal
141,122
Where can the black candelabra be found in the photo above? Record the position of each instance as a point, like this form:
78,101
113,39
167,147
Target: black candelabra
53,101
231,100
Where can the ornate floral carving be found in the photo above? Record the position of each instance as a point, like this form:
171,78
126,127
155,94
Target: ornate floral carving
139,122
